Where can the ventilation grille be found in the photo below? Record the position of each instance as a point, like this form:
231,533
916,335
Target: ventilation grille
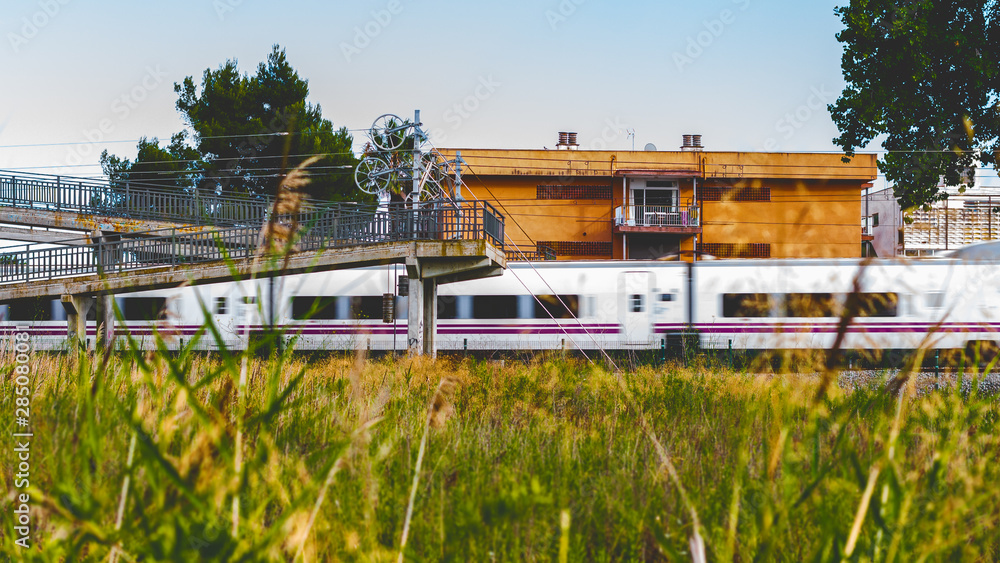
574,192
577,248
735,194
734,250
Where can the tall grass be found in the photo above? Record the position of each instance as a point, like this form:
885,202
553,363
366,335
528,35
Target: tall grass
523,461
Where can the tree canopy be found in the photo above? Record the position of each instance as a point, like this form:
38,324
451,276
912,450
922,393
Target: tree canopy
922,77
244,132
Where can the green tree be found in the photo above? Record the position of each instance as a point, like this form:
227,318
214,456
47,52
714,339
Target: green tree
246,131
922,77
154,166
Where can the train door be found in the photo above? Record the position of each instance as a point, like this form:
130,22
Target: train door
634,306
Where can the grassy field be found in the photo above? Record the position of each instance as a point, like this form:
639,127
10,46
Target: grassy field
166,456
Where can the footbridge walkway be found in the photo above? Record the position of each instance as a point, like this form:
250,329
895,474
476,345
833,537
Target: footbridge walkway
150,238
78,204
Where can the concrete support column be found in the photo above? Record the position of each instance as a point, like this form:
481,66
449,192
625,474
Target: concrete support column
415,317
105,321
421,317
108,256
77,307
430,317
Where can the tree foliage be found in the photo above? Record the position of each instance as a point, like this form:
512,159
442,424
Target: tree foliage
246,131
922,77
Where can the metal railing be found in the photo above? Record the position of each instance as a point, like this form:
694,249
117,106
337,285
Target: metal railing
92,197
350,225
656,216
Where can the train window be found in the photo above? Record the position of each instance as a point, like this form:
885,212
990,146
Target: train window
145,308
877,304
31,310
447,307
635,302
667,297
366,307
494,307
810,305
935,299
747,304
221,307
314,307
558,307
249,299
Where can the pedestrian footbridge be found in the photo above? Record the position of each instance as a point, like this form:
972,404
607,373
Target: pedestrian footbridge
141,239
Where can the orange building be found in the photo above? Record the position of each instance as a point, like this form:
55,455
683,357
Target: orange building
583,204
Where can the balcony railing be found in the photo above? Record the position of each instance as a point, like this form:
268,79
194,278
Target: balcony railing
656,216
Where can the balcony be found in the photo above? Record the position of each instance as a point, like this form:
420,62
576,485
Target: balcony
657,219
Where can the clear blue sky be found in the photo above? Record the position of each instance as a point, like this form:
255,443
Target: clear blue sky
746,74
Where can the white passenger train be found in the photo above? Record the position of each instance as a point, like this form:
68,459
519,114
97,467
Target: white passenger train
742,304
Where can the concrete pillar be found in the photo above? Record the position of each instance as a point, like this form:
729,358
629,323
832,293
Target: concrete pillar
421,317
77,307
415,318
430,317
105,321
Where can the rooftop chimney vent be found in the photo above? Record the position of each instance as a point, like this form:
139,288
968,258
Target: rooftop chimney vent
692,143
567,141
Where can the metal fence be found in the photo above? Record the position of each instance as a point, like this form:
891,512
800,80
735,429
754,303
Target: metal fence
91,197
349,225
656,216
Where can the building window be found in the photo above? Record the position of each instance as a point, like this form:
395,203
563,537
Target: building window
577,248
711,193
573,192
875,219
733,250
656,193
221,307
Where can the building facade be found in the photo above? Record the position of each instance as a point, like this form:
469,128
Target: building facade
582,204
960,220
882,225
